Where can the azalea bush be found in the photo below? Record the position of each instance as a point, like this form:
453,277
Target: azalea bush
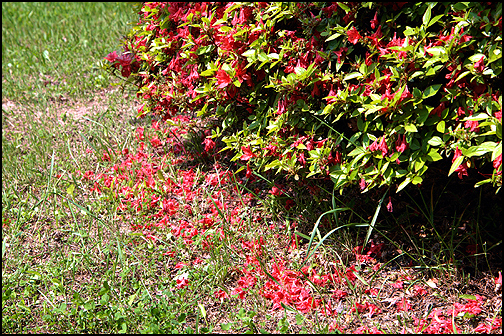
363,93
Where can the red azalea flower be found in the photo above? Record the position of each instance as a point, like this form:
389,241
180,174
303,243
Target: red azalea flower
339,294
282,104
155,142
289,204
401,144
472,125
353,35
220,294
183,281
405,94
275,191
383,146
301,159
462,169
209,144
487,328
105,157
372,291
239,291
140,133
248,173
247,153
350,275
375,248
403,305
479,66
362,184
498,163
389,205
419,290
180,265
112,57
375,37
339,53
498,282
464,38
374,22
398,284
223,79
438,110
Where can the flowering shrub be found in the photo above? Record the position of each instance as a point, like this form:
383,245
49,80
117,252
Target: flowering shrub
367,93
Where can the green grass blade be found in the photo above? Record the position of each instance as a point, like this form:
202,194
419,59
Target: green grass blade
373,222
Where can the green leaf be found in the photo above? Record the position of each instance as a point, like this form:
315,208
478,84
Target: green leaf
441,126
226,326
427,16
433,155
352,75
417,180
403,184
262,57
208,72
205,20
299,319
481,149
435,141
357,151
419,163
468,297
225,29
344,7
431,91
455,164
410,128
70,189
249,53
496,152
409,31
202,309
436,51
299,70
273,56
131,299
333,36
480,183
476,57
462,75
434,20
477,117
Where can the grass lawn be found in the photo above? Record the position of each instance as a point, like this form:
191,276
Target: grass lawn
112,224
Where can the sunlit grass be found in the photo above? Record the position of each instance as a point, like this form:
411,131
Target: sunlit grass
55,48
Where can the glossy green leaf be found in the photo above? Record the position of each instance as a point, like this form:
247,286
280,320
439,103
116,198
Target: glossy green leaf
410,128
435,141
434,20
333,36
403,184
482,149
433,155
417,180
456,164
427,16
431,91
352,75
